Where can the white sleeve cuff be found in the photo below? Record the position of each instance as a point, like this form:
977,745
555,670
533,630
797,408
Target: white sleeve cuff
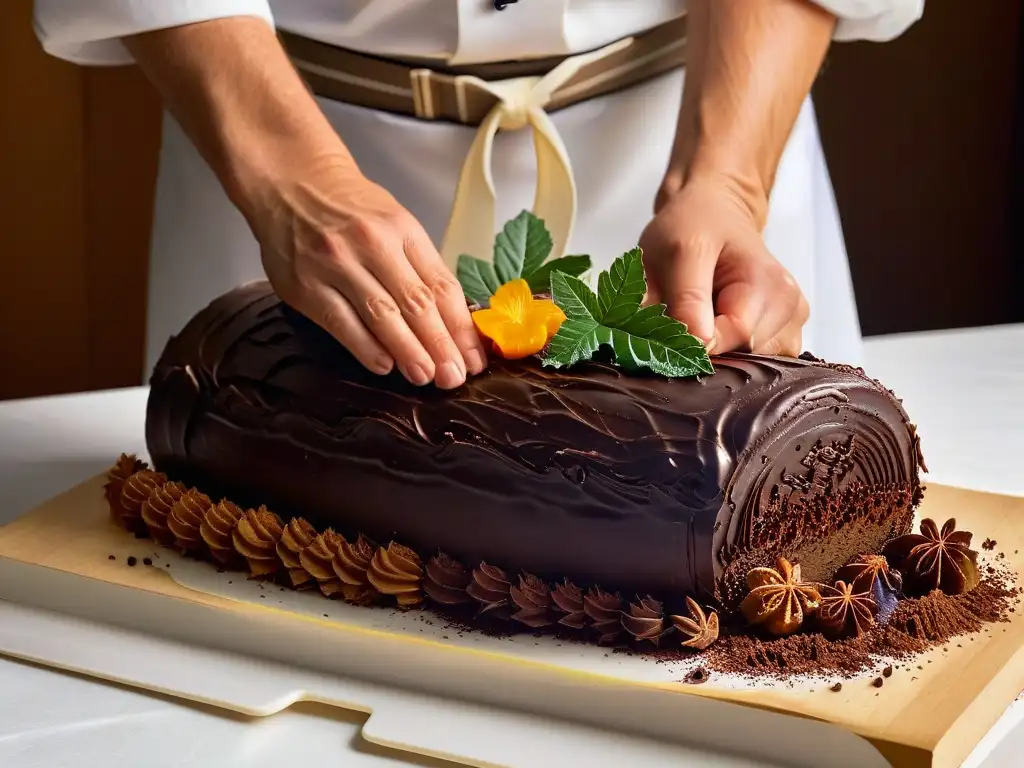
91,32
876,20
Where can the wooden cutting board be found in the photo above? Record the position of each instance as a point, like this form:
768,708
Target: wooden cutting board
57,557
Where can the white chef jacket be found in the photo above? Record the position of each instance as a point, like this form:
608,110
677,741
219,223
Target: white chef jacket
619,144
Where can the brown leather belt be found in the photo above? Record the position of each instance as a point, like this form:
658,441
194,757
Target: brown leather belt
431,91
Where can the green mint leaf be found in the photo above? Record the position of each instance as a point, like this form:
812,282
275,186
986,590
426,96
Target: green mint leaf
479,282
574,297
521,247
621,289
540,279
660,343
575,341
639,337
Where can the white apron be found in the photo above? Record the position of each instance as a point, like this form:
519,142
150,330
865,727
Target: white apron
618,145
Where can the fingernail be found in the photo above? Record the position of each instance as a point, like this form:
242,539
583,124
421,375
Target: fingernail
710,346
475,361
383,365
449,375
417,374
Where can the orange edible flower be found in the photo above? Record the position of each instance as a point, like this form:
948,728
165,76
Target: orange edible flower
518,324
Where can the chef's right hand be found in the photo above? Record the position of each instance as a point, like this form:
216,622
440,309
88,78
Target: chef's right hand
341,250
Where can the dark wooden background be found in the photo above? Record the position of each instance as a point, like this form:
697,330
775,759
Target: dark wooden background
923,140
924,137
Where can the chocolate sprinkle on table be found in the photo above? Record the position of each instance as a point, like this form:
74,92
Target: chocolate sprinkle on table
878,682
916,625
147,561
887,672
836,688
132,561
111,557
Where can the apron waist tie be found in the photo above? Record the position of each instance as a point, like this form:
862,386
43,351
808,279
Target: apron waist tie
506,96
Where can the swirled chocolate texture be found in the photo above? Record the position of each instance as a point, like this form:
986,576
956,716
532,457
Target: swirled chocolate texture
639,483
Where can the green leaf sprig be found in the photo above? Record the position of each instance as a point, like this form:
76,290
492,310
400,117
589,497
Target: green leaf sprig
640,337
521,251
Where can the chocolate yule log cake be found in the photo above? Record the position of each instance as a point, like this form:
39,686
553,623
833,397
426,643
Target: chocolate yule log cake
604,479
600,470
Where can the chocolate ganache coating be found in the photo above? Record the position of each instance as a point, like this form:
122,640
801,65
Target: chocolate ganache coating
637,483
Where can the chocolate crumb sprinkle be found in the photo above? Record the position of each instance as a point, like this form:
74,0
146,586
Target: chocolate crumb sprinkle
878,682
147,561
131,561
836,688
111,557
887,672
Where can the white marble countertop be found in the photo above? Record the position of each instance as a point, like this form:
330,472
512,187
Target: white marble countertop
963,388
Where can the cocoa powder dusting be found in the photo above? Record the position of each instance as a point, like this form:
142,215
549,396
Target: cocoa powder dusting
916,625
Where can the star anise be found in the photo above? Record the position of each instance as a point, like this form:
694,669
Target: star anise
872,574
699,629
778,599
936,559
864,570
845,610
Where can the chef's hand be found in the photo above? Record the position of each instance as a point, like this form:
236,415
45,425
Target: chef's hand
336,246
706,260
341,250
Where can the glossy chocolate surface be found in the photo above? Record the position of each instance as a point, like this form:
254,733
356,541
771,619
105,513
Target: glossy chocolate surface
638,483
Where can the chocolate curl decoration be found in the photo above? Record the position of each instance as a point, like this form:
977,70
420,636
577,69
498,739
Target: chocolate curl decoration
157,508
645,620
126,466
186,518
397,571
317,560
134,492
351,565
255,538
217,530
446,580
533,599
568,598
699,629
605,610
936,559
491,588
297,535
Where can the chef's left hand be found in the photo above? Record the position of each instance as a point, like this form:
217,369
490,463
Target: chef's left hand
706,260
